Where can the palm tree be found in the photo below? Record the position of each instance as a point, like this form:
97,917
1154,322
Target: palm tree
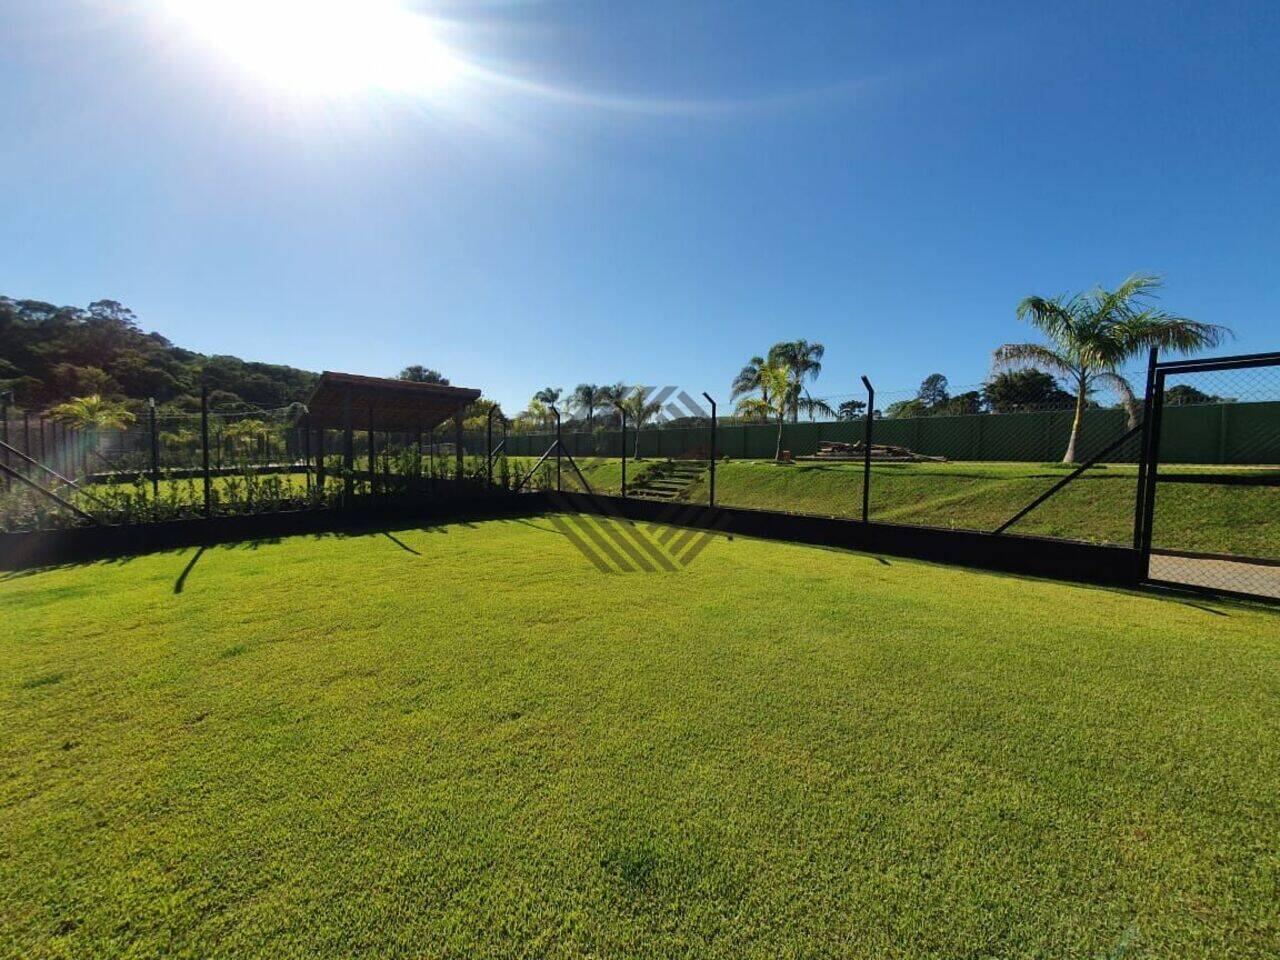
586,397
548,395
639,410
612,393
537,412
748,379
776,384
1092,335
93,413
814,406
803,361
243,433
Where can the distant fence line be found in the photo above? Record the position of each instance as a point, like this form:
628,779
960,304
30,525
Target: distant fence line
1212,433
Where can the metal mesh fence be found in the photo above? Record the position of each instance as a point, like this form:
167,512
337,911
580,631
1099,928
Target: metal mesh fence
1033,463
969,459
1216,520
256,461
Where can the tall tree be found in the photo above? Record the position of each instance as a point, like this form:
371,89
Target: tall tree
548,395
748,380
776,384
1185,395
93,413
803,361
586,397
639,410
1013,391
1092,335
851,409
417,373
933,390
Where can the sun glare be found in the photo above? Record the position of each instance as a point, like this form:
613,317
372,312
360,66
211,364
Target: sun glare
324,47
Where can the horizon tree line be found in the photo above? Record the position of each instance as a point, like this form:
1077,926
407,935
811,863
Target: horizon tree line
1088,338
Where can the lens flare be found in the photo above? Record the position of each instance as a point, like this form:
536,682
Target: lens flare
324,47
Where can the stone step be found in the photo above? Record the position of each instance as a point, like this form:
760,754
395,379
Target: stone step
652,494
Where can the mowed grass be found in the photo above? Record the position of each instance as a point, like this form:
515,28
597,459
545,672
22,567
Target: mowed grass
463,741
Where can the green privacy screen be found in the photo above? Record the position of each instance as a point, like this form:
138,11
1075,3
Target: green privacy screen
1219,433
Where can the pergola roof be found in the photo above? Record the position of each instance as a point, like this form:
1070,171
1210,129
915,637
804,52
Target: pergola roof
399,405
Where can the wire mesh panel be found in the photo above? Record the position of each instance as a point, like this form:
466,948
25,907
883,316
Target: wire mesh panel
1215,512
40,461
228,460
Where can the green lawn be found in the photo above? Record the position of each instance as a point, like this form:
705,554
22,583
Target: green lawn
463,741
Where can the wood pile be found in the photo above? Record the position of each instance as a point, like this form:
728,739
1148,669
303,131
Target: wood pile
880,453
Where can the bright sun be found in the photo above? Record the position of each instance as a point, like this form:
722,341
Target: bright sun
327,47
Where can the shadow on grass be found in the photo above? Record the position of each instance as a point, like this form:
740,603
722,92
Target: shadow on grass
400,543
180,584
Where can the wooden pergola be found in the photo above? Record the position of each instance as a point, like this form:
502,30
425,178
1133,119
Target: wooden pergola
348,401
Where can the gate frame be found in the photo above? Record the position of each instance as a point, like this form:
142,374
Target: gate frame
1149,460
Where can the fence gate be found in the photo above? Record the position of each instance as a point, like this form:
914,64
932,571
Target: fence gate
1212,525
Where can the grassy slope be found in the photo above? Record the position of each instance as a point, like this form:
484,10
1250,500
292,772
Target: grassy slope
980,496
465,742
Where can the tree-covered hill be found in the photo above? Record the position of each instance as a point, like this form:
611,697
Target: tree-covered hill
50,353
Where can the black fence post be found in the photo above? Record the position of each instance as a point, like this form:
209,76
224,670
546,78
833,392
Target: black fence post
373,462
348,451
320,461
306,449
1152,457
457,446
558,445
622,412
431,458
488,448
204,448
866,452
711,497
417,458
1148,401
5,399
155,449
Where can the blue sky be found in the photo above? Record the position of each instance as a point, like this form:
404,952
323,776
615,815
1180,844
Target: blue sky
650,192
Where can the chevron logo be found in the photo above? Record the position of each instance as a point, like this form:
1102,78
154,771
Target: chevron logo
673,403
616,544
